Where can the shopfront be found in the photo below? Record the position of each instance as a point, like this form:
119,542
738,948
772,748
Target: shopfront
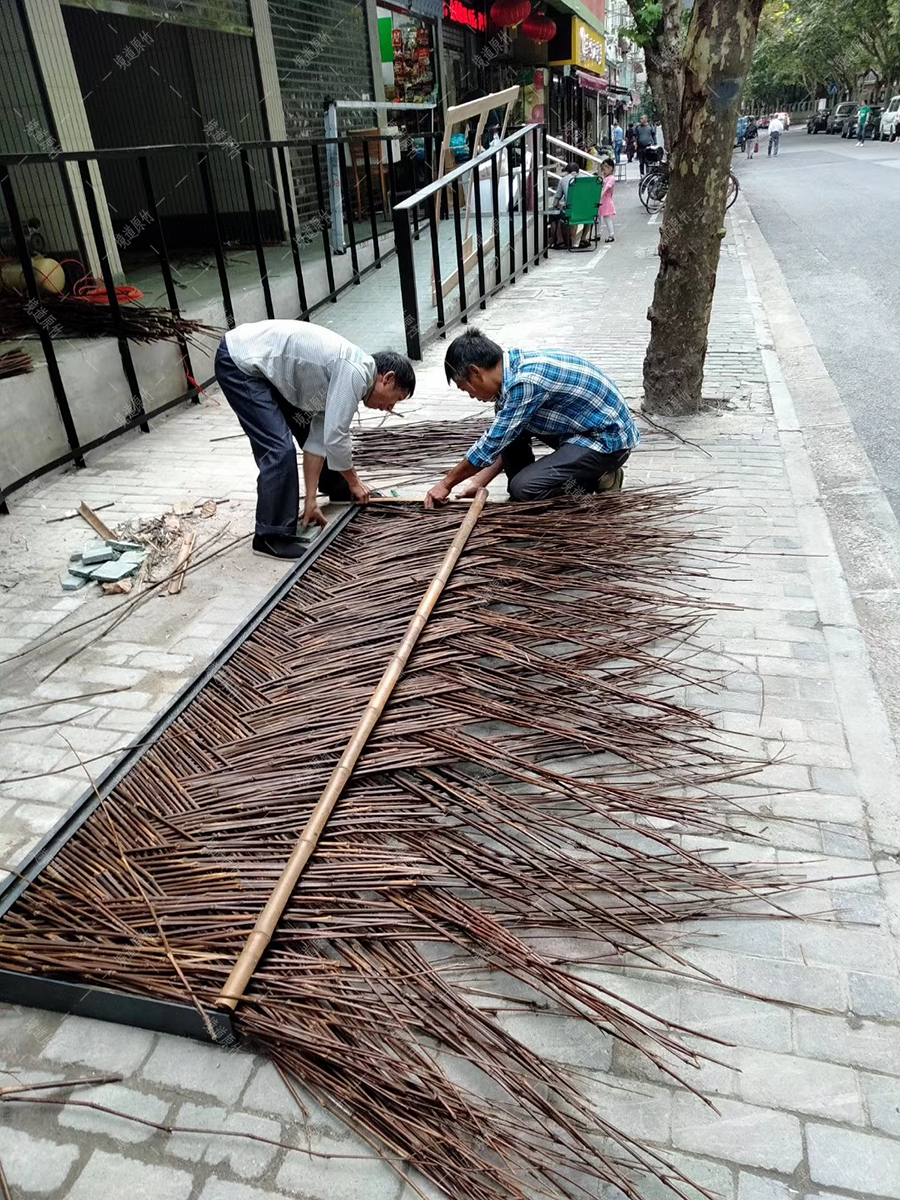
578,109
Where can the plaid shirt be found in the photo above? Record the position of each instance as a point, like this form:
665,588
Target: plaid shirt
560,396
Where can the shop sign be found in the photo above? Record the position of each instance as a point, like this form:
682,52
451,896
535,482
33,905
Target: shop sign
464,14
587,49
433,9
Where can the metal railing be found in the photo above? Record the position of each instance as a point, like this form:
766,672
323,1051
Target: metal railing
523,246
235,185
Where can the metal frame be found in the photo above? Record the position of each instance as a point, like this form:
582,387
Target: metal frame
327,227
435,195
56,995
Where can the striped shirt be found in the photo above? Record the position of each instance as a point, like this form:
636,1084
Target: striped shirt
560,396
316,371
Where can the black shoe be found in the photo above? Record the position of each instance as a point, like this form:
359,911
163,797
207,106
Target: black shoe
272,545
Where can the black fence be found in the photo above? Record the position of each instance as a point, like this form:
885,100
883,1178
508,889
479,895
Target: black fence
523,158
248,195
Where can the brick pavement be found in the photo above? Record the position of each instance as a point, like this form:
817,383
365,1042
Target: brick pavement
807,1088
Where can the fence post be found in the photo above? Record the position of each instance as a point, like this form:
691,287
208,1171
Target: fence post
408,291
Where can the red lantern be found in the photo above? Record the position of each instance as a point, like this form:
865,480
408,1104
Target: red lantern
540,28
510,12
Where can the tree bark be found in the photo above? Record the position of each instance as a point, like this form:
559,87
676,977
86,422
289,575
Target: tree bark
717,57
662,58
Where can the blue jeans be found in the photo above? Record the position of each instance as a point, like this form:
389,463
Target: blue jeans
618,151
272,426
774,139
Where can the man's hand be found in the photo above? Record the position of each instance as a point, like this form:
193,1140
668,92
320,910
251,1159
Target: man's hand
470,490
312,515
438,495
359,492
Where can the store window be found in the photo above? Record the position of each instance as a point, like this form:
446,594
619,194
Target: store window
407,56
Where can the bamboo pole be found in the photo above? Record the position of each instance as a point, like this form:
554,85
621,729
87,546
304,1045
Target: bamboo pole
266,923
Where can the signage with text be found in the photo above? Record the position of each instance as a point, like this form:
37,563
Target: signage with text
586,50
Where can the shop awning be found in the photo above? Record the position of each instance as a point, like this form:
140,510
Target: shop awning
594,83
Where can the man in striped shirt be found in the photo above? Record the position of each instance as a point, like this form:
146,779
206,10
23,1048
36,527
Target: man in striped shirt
561,399
290,380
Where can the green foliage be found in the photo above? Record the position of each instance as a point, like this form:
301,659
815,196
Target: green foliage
647,15
813,43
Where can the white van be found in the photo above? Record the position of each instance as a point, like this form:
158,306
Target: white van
890,120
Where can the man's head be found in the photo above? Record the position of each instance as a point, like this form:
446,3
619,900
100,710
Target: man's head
572,168
644,119
395,380
475,364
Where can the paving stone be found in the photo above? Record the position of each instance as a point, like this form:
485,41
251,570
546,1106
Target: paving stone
193,1067
875,996
125,1099
839,945
34,1166
804,1085
793,982
245,1157
846,1159
223,1189
99,1044
95,553
737,1019
876,1047
74,583
112,1176
758,1187
755,1137
833,779
638,1109
882,1097
266,1093
562,1039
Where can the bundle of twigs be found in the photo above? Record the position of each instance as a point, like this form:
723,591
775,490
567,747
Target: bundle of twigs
417,444
493,840
15,362
67,316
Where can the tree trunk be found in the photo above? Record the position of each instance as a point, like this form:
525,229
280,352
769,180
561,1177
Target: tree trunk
662,58
717,58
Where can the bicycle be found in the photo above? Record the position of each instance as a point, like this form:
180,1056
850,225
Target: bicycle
654,187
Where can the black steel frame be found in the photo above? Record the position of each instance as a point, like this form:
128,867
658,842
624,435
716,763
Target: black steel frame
38,991
434,198
278,153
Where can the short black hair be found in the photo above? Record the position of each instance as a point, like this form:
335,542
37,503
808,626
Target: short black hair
470,349
570,167
404,374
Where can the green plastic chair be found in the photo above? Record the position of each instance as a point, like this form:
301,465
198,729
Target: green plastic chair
582,207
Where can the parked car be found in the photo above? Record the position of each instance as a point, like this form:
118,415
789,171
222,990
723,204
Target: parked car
889,126
873,124
785,118
763,122
839,115
818,122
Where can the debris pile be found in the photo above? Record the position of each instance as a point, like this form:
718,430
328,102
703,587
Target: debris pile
108,562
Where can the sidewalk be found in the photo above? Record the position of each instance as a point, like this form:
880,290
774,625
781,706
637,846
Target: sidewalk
808,1095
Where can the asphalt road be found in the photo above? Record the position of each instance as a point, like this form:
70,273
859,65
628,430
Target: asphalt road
830,211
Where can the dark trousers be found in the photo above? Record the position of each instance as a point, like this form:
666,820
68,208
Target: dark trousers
568,471
642,157
272,426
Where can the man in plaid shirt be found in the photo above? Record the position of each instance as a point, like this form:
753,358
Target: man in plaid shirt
562,399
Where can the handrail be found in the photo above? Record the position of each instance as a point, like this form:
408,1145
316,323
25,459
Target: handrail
462,170
583,153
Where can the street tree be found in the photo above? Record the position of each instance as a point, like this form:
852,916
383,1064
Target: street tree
658,29
716,58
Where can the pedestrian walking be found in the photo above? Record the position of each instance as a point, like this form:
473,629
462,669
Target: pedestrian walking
630,143
751,133
618,140
776,129
861,122
645,138
607,208
561,399
291,380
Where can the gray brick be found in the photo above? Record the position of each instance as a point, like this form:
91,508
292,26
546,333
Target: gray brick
882,1096
737,1019
246,1157
702,1173
833,779
804,1085
846,842
337,1178
124,1099
191,1067
758,1187
113,1175
34,1164
795,983
266,1093
875,996
838,945
708,1078
755,1137
222,1189
562,1039
860,1161
874,1047
99,1044
639,1109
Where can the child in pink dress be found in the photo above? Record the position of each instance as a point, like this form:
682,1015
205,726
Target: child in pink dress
607,208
